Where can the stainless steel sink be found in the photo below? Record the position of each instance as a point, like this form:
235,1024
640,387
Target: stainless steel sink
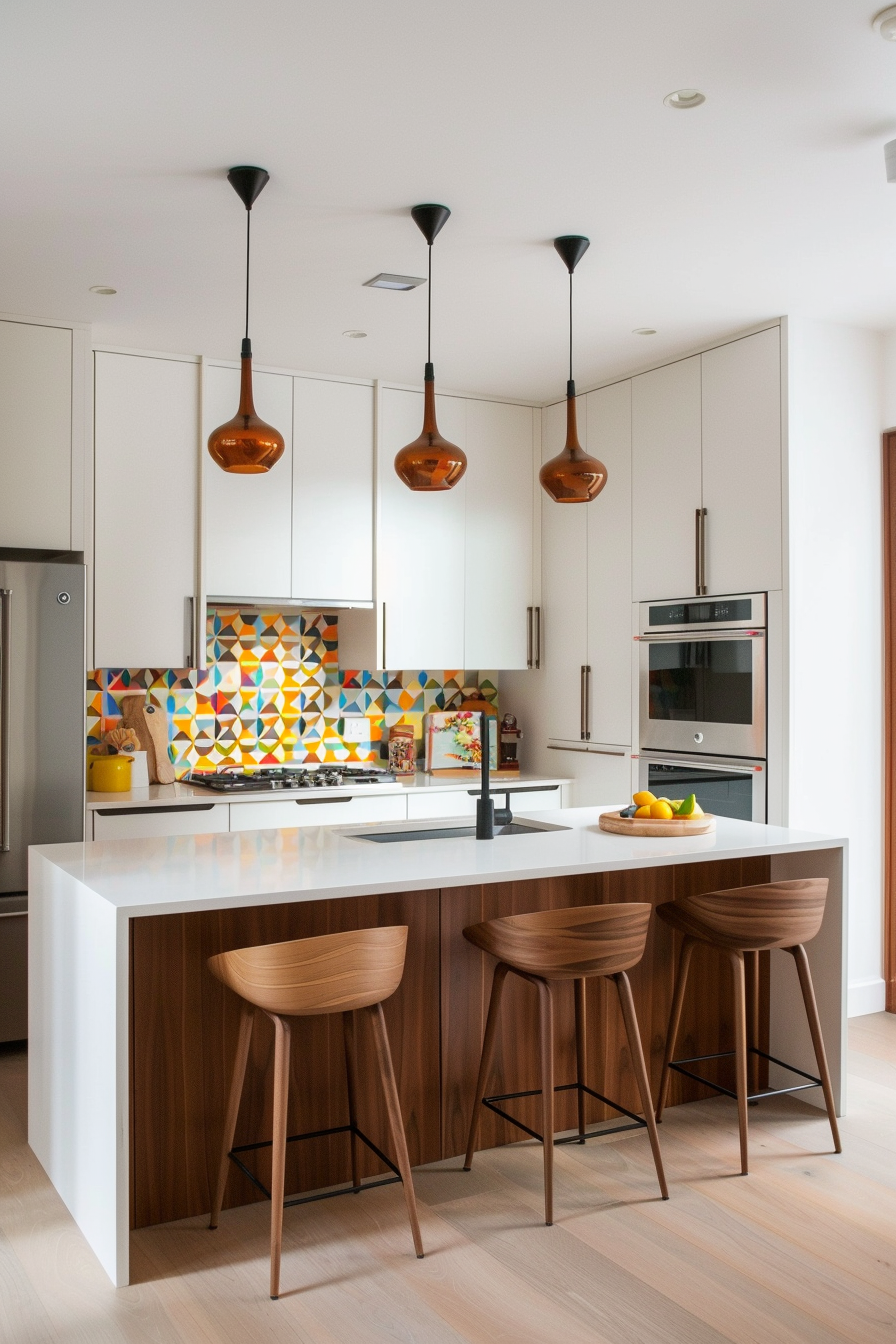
451,832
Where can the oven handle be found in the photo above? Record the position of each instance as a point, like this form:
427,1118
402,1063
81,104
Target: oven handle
701,765
700,636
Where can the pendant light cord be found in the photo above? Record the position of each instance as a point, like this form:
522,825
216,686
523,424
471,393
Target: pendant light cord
570,326
429,311
248,222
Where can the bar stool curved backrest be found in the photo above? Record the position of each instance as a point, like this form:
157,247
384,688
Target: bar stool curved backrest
543,948
741,922
348,972
335,973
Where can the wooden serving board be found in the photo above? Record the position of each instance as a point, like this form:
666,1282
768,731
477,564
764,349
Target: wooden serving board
619,825
150,723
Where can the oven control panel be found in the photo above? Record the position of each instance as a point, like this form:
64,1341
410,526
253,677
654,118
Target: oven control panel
708,613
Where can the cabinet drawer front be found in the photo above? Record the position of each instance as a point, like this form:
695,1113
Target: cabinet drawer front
153,821
456,803
344,811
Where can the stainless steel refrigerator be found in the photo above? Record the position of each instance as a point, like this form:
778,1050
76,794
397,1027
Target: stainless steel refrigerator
42,744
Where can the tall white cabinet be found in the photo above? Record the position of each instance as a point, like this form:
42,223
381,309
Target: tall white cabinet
454,569
420,543
667,485
742,469
706,435
146,422
42,404
247,520
587,644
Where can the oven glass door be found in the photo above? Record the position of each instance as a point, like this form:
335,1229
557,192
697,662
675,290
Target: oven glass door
704,693
724,790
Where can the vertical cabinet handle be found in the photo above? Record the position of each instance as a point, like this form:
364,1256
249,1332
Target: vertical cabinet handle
587,704
5,597
530,661
537,638
189,633
703,589
584,696
384,636
700,552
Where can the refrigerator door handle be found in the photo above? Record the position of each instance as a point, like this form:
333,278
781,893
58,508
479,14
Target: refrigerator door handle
5,598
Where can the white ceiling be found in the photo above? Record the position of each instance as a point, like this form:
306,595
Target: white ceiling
118,121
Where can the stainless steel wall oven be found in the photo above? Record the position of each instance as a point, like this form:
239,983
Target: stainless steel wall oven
703,676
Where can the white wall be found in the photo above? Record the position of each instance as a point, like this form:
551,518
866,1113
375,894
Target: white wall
835,377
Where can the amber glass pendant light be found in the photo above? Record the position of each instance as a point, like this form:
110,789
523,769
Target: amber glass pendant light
573,476
246,445
430,462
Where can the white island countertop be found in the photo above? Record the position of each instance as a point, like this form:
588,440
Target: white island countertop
172,875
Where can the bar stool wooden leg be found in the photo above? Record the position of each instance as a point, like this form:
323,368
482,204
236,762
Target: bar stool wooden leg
579,986
740,1052
282,1037
751,967
546,1018
802,965
681,979
348,1041
396,1124
630,1018
485,1062
244,1039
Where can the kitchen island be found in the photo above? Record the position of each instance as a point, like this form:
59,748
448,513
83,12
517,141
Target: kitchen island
131,1038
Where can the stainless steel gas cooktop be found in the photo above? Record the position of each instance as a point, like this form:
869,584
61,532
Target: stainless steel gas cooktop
279,779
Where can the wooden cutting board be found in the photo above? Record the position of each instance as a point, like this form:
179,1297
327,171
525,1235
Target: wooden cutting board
618,825
150,723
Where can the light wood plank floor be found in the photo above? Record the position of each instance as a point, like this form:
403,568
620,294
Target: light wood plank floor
803,1249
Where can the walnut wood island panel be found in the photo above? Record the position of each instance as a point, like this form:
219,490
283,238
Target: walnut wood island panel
132,1038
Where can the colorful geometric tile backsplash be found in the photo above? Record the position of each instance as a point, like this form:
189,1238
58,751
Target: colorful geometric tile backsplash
273,693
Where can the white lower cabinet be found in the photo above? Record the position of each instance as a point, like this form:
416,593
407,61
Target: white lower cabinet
144,823
343,811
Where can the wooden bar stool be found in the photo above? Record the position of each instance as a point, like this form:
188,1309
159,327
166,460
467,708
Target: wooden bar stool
740,924
542,948
337,973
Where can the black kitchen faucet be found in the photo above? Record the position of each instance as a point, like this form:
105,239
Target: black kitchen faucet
486,813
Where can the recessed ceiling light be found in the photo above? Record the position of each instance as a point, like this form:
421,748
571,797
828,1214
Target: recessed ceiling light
102,289
684,98
644,331
355,335
386,281
884,23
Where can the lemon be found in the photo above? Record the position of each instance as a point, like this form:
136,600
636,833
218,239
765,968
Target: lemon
644,810
644,798
661,810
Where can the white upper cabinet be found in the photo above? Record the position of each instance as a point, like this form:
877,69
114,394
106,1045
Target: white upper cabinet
145,435
420,543
332,491
247,520
608,421
500,486
742,464
564,571
666,480
36,390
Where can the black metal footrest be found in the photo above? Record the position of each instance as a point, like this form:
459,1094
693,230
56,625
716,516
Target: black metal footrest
637,1121
323,1194
678,1066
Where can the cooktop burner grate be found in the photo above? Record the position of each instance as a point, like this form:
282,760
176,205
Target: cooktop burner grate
271,779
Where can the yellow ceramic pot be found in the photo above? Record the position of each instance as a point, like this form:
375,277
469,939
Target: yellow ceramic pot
109,774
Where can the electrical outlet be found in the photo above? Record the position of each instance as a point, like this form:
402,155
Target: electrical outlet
355,728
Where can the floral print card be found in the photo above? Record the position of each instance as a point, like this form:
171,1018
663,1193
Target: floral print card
453,741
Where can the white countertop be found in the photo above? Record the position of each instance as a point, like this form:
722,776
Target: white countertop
179,795
183,873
